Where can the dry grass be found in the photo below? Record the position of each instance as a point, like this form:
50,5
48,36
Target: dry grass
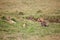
33,30
29,6
52,37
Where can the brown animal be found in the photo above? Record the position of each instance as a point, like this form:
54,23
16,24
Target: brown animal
42,21
8,18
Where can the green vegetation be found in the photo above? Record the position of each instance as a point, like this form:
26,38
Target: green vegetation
24,29
31,28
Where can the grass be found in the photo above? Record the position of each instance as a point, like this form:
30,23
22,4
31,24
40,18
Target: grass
32,28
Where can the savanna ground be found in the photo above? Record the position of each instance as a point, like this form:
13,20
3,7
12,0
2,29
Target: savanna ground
32,29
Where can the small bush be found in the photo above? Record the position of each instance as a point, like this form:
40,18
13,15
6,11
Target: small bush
21,13
13,19
3,17
39,11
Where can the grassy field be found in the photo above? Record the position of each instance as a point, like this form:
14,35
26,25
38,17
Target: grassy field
24,29
31,30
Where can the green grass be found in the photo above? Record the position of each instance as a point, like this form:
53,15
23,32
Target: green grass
32,28
19,10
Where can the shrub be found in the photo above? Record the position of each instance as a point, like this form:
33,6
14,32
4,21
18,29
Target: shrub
3,17
39,11
13,19
21,13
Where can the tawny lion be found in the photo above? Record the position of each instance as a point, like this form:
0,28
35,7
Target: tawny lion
42,21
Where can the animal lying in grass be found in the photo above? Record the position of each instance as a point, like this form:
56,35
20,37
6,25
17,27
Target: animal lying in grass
43,22
8,19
